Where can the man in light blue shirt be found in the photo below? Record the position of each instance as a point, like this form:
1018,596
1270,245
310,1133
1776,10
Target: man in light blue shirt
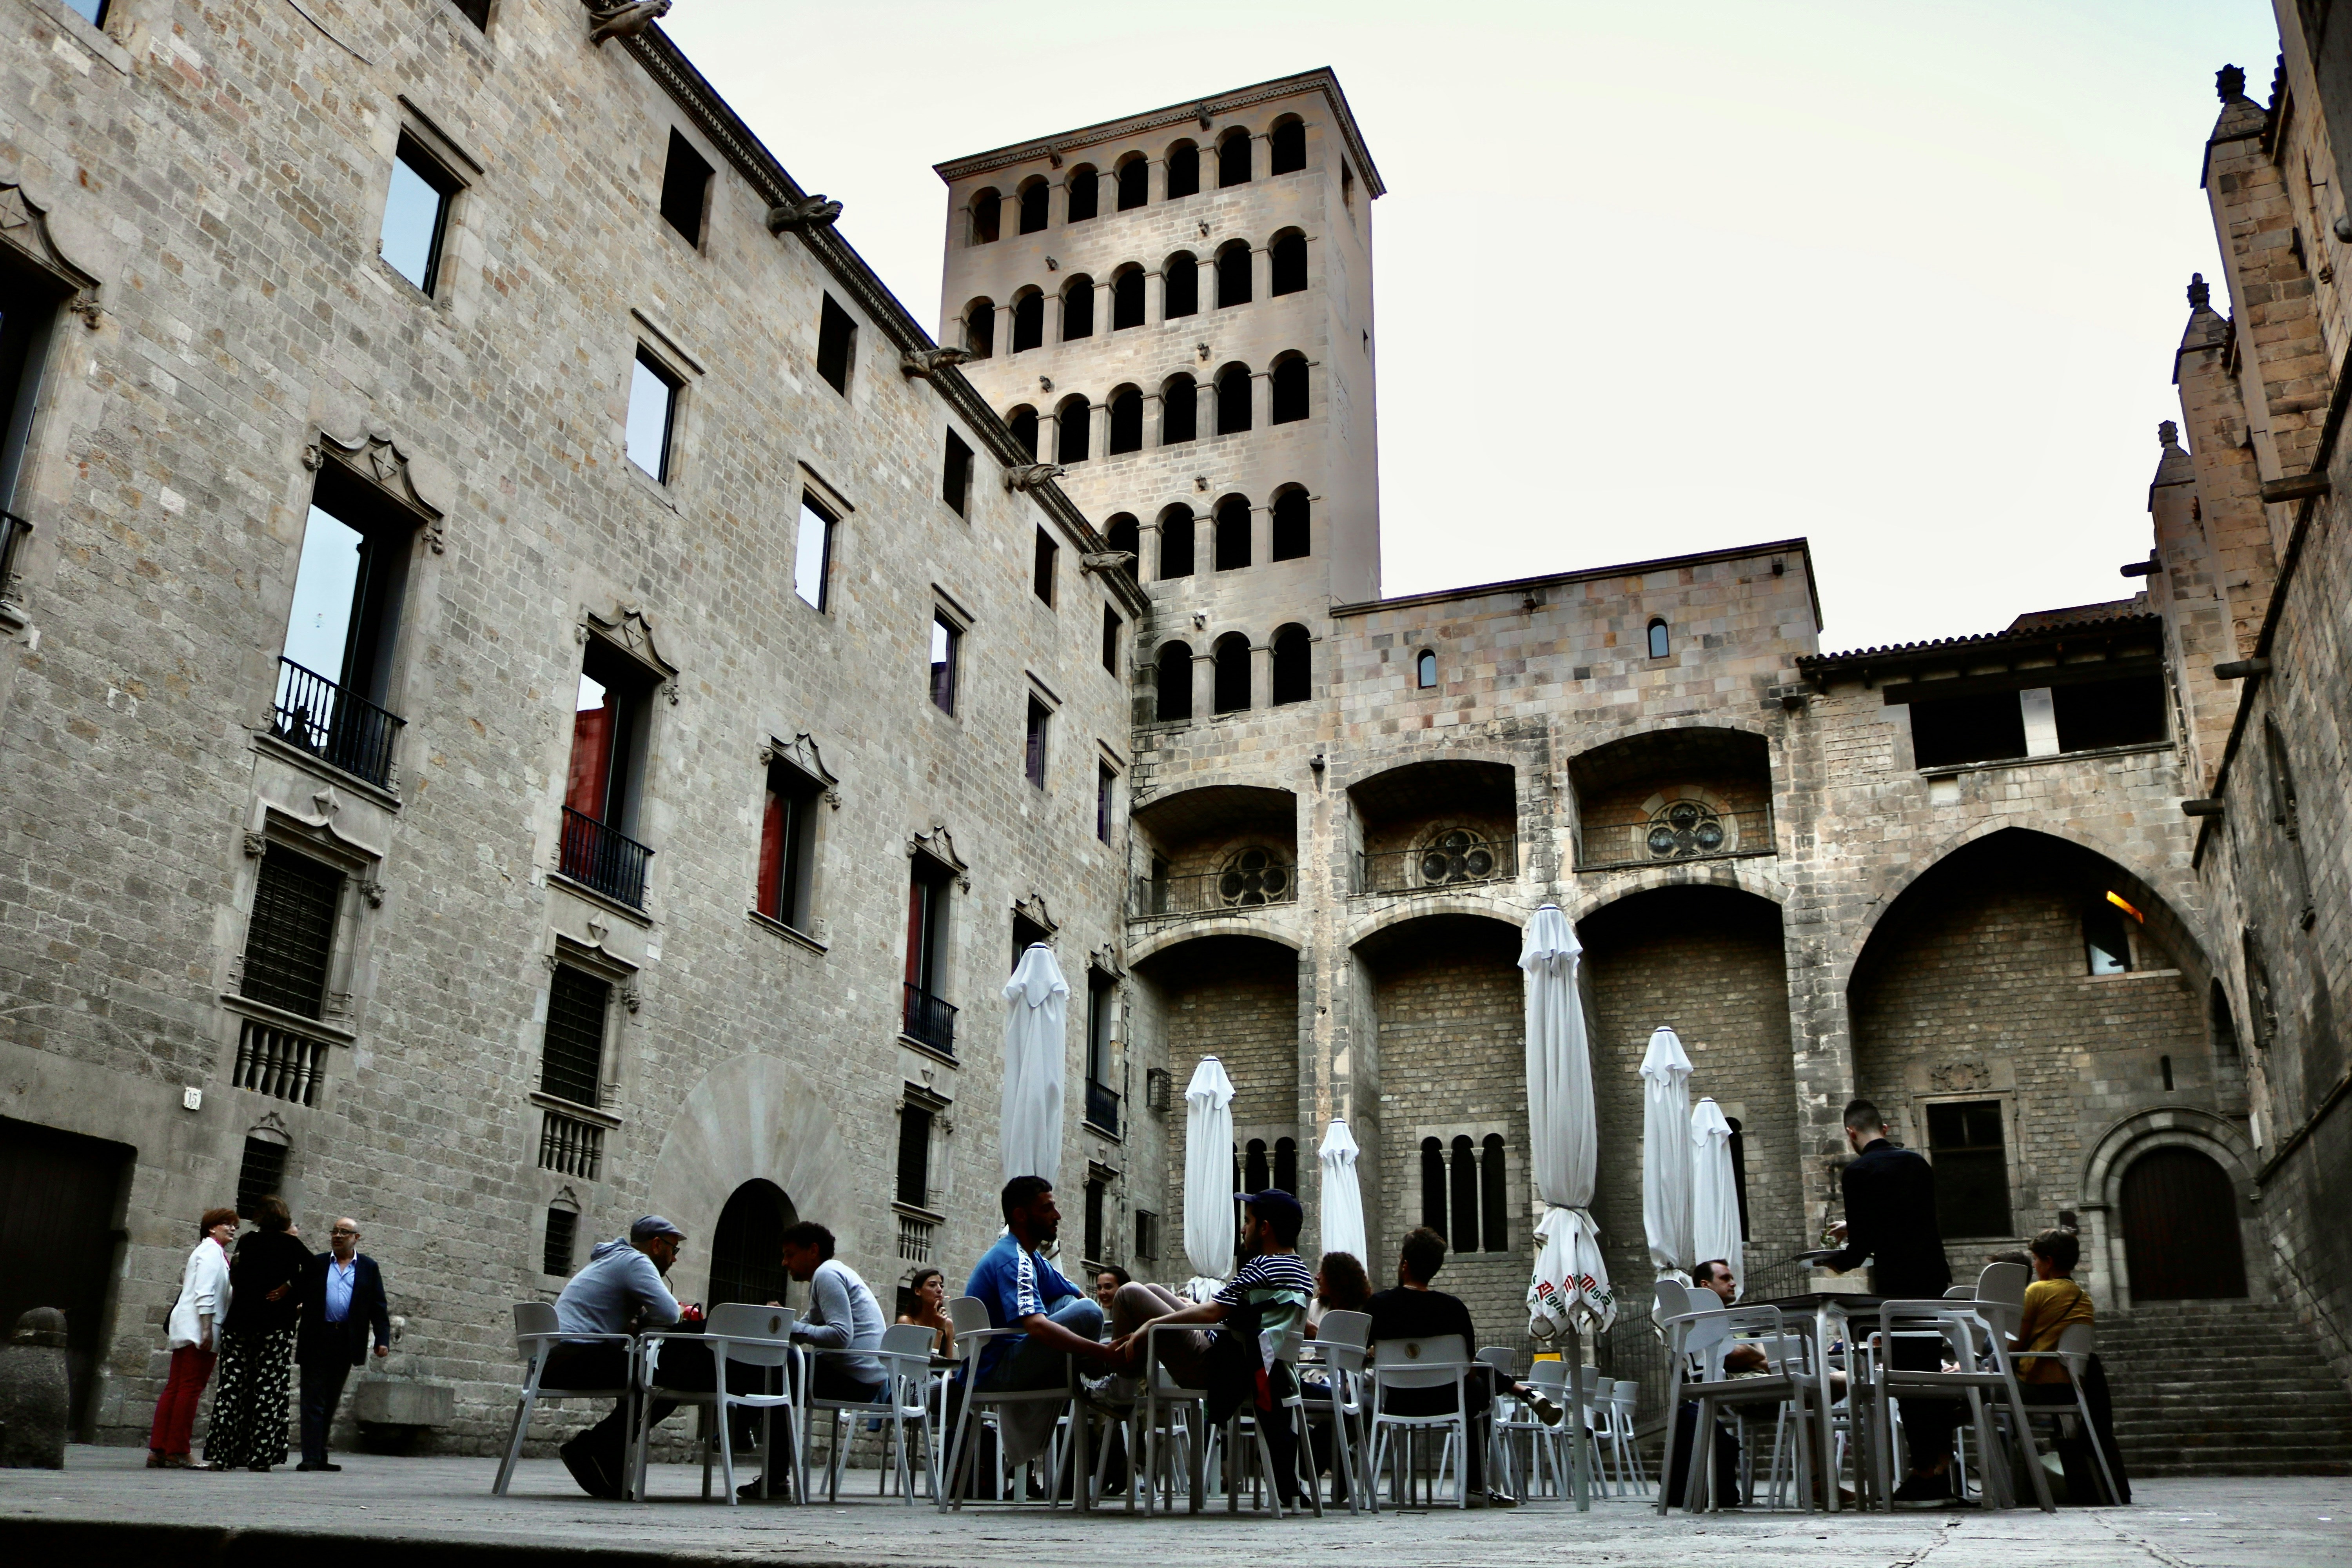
341,1296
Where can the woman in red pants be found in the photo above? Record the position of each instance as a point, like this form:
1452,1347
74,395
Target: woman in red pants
196,1320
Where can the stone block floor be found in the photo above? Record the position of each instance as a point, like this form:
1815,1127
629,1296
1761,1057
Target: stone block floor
106,1506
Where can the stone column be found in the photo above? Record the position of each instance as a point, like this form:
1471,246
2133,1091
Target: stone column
1147,566
1261,272
1261,400
1261,672
1155,298
1262,550
1154,424
1098,429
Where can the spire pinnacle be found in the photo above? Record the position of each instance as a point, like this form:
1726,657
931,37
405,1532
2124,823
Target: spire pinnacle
2229,82
2200,298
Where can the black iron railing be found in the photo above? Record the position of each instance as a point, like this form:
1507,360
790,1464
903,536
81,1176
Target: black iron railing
14,531
570,1145
604,859
344,730
930,1020
1685,830
1460,859
279,1063
1102,1106
1251,880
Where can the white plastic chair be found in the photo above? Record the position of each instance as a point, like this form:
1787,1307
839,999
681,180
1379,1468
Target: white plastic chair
972,1335
1442,1361
739,1333
2077,1343
1696,1345
1621,1398
1542,1443
1346,1338
1236,1453
912,1346
536,1337
919,1394
1981,1357
1165,1411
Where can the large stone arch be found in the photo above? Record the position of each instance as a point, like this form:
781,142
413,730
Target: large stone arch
2217,1137
1761,877
1278,927
1507,904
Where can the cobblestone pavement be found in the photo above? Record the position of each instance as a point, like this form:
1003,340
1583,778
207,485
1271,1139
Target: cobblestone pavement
2292,1522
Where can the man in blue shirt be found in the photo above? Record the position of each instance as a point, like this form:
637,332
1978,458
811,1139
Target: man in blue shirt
342,1292
1023,1291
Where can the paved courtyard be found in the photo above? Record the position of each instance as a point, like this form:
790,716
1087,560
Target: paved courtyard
104,1502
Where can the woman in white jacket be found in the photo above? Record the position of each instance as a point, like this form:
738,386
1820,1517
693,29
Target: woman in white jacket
194,1339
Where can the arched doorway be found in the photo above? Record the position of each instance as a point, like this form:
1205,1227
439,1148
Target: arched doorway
747,1248
2180,1229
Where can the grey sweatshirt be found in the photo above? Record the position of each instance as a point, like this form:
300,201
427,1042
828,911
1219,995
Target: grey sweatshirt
844,1315
611,1290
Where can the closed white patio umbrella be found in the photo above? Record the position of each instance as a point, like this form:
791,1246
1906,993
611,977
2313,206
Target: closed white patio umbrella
1037,1011
1666,1154
1208,1177
1714,1196
1342,1200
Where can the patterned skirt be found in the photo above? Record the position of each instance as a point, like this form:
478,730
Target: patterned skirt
249,1400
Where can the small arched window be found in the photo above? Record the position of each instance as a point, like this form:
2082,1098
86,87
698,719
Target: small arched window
1233,533
1232,673
1028,320
1660,646
1289,393
1134,182
1294,678
1184,170
1286,146
1078,309
1494,1195
1291,541
1255,1177
1739,1149
1127,299
1234,274
980,327
1081,193
1174,668
1176,527
1286,1166
987,216
1023,424
1234,158
1233,400
1433,1185
1286,263
1179,410
1036,198
1126,421
2286,815
1125,536
1072,421
1425,670
1180,285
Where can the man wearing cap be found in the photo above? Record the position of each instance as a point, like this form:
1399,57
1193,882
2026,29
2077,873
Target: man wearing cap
619,1290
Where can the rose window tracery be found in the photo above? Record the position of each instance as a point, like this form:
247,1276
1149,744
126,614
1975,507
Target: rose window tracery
1456,855
1253,877
1685,829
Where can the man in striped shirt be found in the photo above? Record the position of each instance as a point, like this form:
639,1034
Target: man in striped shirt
1270,1291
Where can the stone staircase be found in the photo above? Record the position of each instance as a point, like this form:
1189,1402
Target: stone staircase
2224,1388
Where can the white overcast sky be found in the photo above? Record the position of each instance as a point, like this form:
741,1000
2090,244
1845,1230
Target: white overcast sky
1902,278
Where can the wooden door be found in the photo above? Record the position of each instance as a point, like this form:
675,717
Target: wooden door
2180,1229
60,1196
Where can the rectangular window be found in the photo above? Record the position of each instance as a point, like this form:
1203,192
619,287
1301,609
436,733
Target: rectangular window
478,12
1147,1234
947,640
1097,1201
653,407
2096,713
90,11
1946,730
955,479
1106,789
29,301
572,1055
788,844
334,679
417,215
1112,625
1100,990
610,720
289,938
915,1155
1042,581
563,1241
260,1175
1964,1141
685,189
812,557
2107,946
837,341
929,1018
1033,755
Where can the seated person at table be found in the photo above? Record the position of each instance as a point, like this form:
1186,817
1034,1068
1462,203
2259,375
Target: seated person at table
842,1318
1340,1286
2054,1302
1055,1320
1738,1361
930,1289
1410,1309
1741,1360
619,1290
1107,1284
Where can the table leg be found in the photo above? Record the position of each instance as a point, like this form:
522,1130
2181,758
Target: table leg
1828,1469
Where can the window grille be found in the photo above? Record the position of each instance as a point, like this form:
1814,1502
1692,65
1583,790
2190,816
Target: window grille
291,934
572,1060
570,1146
261,1175
279,1063
562,1239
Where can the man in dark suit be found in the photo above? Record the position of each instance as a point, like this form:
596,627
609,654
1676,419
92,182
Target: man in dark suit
1890,1219
342,1300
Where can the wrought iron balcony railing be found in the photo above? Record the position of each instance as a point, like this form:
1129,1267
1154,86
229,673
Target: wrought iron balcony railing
279,1063
1252,880
930,1020
570,1145
1682,830
14,531
1458,859
604,859
344,729
1102,1106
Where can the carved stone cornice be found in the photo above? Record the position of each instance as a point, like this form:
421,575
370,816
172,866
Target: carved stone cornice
376,459
801,751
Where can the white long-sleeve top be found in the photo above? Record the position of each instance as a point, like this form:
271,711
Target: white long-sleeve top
204,1293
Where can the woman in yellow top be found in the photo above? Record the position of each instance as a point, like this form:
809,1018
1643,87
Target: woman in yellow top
2052,1302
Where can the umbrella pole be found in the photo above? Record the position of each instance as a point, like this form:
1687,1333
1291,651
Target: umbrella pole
1577,1439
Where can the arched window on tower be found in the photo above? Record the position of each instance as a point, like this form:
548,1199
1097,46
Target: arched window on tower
1134,182
1126,421
1433,1185
1292,539
1233,400
1071,432
987,216
1174,668
1024,423
1286,146
1124,534
980,327
1660,645
1233,552
1081,192
1176,529
1184,170
1494,1195
1256,1176
1234,158
1286,1166
1289,393
1180,409
1286,263
1234,274
1127,298
1036,197
1078,309
1425,670
1233,655
1028,320
1180,285
1294,674
1463,1191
